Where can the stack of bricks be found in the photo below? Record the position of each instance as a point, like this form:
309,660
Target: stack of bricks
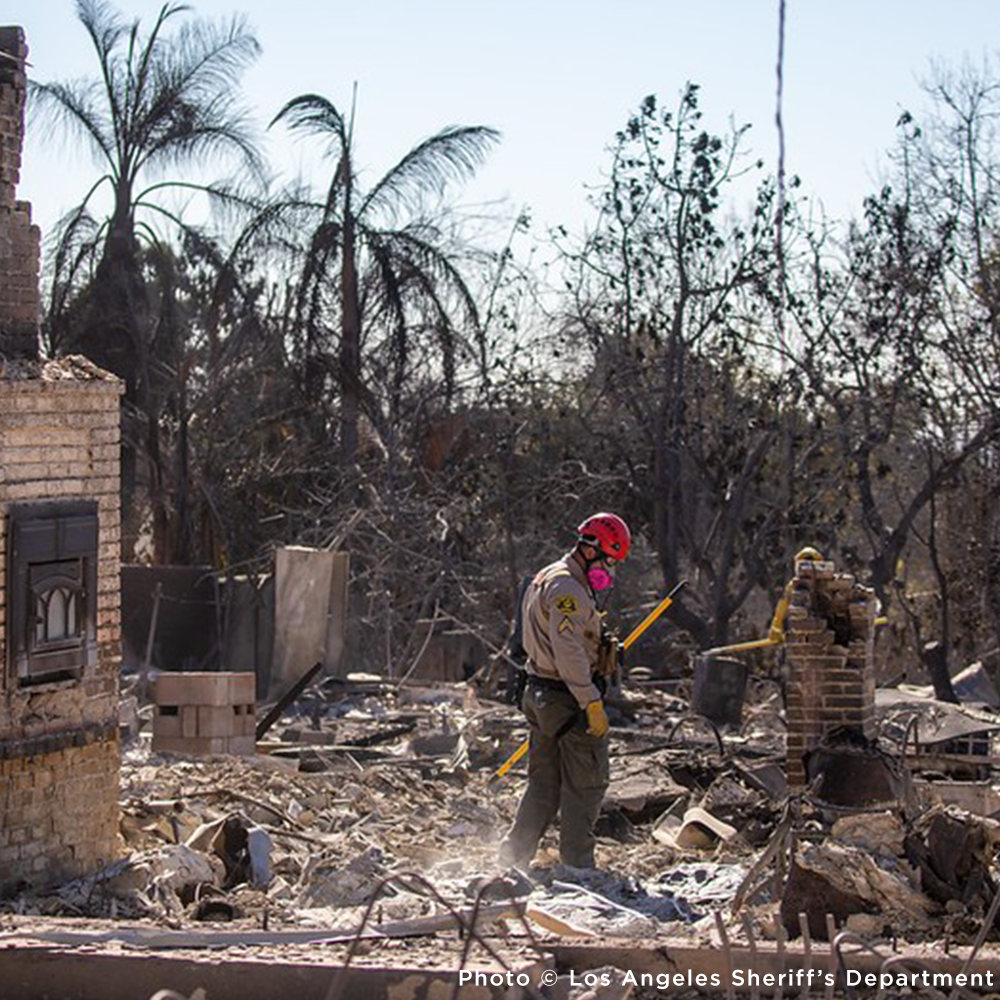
19,239
829,637
205,713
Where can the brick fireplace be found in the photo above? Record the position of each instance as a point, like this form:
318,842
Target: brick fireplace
59,563
829,638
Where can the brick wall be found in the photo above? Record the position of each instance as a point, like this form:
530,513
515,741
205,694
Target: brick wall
59,439
19,239
60,813
829,637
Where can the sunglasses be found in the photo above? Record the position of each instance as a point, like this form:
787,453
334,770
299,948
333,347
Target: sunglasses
605,560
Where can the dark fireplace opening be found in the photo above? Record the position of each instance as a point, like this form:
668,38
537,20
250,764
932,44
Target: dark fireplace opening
52,590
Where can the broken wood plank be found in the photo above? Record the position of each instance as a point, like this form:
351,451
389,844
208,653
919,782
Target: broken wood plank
552,923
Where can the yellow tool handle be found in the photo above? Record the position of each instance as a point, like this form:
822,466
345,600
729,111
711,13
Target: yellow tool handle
633,635
513,759
738,647
652,616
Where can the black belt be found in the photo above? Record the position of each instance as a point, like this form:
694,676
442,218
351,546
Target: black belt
551,683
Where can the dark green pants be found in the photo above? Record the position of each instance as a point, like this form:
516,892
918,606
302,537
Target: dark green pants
567,775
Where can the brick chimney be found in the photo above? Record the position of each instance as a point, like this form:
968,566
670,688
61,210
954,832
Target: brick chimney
829,637
60,539
19,239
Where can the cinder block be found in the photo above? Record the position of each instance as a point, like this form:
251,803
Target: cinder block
243,745
205,688
189,721
247,722
166,725
168,744
216,720
197,746
192,689
242,688
202,745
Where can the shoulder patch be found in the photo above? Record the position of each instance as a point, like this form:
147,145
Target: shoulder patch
566,604
566,624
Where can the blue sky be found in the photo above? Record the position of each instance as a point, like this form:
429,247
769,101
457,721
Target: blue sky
558,78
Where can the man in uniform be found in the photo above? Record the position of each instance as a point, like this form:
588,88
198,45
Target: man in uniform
563,699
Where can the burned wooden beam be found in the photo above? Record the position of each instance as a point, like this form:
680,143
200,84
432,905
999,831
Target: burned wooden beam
286,699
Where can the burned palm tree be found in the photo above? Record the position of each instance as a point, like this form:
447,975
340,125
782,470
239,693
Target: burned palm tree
376,271
163,103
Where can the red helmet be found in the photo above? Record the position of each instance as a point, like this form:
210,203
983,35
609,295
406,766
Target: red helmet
608,533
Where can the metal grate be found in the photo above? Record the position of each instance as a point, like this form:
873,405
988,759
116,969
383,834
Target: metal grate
52,590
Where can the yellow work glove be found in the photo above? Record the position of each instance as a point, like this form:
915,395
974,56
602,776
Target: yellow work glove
597,720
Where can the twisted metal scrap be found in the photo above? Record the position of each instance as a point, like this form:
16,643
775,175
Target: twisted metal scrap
892,962
698,720
467,930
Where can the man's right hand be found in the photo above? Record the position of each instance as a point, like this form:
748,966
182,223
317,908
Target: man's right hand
597,719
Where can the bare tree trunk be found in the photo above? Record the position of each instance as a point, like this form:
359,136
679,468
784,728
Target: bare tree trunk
350,339
934,657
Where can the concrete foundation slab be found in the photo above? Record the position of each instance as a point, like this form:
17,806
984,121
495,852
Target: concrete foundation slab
427,970
47,972
674,966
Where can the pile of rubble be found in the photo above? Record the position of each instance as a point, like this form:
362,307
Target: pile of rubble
361,782
372,804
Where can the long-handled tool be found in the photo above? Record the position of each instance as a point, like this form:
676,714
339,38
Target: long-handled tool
632,637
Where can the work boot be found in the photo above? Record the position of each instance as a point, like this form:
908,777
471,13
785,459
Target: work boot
585,862
512,884
507,858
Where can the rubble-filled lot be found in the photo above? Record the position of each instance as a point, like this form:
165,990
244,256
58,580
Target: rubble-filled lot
370,816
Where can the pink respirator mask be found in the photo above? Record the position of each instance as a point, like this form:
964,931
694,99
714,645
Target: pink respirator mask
600,579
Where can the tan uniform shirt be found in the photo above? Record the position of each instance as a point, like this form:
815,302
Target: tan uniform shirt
562,628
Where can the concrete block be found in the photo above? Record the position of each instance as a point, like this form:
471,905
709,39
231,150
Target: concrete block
195,747
189,721
192,688
799,639
216,720
242,688
248,722
166,725
814,662
243,745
